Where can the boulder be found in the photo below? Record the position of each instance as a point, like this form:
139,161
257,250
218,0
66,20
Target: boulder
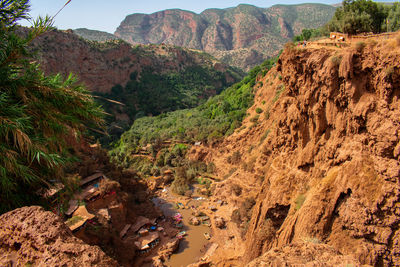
33,236
194,221
169,248
219,222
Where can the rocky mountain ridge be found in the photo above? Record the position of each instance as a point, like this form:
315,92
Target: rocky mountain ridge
93,35
242,36
133,81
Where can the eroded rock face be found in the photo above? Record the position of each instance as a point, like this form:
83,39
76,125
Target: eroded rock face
102,66
219,222
31,235
165,252
331,155
322,161
304,254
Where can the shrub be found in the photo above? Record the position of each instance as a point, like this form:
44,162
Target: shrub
372,43
236,189
255,118
314,240
234,158
360,46
265,135
231,171
181,183
263,102
299,201
336,60
279,91
290,46
389,72
266,114
259,110
211,167
191,173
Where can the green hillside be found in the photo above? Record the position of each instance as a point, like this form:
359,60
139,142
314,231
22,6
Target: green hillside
217,117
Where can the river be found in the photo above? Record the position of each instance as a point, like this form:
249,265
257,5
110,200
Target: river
192,246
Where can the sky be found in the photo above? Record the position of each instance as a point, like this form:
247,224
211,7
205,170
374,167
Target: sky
105,15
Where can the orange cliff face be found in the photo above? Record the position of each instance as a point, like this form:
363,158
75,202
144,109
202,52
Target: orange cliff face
33,236
317,160
103,65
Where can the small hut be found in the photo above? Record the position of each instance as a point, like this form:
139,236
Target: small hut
148,241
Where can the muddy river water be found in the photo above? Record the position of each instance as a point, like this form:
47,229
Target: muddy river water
192,246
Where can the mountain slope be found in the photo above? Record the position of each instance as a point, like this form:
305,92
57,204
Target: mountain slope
242,36
145,79
93,35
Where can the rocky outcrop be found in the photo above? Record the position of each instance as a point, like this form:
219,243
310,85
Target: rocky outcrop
304,254
219,222
321,161
34,237
101,66
166,251
242,36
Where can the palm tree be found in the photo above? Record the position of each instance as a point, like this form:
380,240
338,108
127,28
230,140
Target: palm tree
41,117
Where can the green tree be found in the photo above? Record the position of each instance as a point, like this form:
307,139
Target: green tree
393,18
41,117
307,34
356,16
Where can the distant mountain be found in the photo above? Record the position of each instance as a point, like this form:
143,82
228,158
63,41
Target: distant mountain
241,36
134,81
93,35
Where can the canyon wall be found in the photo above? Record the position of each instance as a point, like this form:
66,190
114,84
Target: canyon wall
317,158
242,36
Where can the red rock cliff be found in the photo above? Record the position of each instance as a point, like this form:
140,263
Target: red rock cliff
34,237
321,161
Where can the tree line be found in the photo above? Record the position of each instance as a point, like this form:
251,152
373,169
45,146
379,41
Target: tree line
358,16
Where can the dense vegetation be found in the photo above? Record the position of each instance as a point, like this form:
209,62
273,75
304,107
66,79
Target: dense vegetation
40,116
216,118
355,16
358,16
307,34
155,91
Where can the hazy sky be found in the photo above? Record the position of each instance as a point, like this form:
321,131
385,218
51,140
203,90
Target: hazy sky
106,15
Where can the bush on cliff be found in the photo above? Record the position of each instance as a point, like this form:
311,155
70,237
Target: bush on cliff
40,116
